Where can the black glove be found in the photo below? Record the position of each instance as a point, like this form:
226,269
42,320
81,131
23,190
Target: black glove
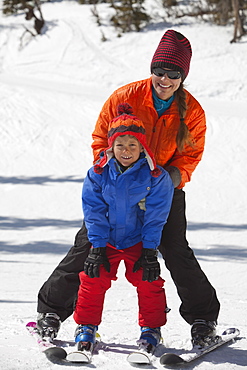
148,261
175,175
96,257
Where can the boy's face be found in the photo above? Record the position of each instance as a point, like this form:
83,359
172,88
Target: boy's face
127,149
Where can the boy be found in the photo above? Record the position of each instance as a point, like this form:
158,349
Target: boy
125,207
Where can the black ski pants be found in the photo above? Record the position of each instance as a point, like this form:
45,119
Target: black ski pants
198,297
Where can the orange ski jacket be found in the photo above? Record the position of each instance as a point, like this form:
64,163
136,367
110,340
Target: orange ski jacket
161,131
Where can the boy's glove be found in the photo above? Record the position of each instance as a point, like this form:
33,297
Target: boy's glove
148,261
96,257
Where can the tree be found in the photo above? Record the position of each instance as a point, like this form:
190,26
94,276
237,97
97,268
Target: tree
28,7
239,17
130,15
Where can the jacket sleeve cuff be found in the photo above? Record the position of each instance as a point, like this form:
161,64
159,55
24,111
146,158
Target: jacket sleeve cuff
149,245
99,244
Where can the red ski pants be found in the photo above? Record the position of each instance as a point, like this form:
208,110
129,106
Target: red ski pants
91,294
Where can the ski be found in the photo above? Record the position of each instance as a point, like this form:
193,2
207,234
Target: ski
80,357
174,359
139,358
56,353
46,346
143,355
85,355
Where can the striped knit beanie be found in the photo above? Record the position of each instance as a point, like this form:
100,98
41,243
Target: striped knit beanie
126,124
173,52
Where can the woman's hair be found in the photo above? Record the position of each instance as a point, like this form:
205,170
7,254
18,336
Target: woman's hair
183,136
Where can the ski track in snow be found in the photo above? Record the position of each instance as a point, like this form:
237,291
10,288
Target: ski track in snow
51,93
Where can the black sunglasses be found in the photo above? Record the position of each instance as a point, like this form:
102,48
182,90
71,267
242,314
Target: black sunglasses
160,72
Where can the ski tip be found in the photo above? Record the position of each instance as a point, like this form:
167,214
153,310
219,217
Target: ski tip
56,352
78,356
170,359
138,358
31,324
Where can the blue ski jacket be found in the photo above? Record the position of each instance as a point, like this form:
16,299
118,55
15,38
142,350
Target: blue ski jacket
124,208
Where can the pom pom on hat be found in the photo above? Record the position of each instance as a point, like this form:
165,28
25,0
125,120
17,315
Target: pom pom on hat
173,52
126,124
124,108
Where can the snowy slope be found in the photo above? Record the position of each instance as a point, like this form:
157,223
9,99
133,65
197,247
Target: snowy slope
51,92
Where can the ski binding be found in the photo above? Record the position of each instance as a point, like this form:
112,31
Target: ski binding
174,359
45,344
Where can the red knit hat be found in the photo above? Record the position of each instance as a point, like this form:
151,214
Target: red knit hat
126,124
173,52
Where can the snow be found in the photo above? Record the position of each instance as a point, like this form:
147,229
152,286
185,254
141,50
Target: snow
51,92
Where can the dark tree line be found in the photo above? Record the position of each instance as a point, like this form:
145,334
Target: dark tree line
221,12
131,15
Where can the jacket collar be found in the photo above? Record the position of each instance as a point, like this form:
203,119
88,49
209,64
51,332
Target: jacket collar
116,168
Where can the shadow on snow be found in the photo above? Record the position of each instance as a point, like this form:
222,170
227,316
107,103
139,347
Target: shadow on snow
38,180
35,248
15,223
195,226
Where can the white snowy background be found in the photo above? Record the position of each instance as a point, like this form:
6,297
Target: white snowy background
51,92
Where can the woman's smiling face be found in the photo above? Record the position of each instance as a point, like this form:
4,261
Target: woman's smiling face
164,86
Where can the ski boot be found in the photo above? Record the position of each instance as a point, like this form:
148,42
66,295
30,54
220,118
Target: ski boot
85,336
203,333
48,325
149,339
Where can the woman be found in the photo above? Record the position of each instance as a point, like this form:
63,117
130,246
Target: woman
175,129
